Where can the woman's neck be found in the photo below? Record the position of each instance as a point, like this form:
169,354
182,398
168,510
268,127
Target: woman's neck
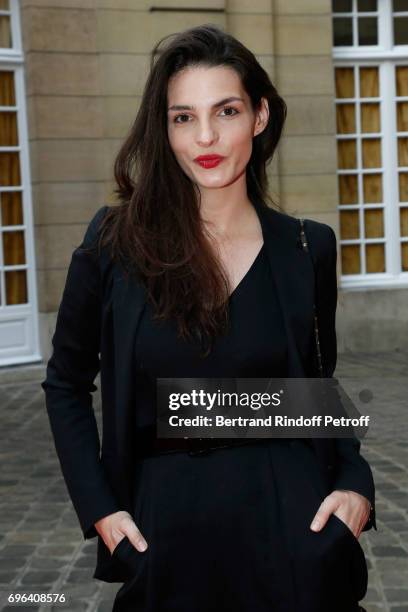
226,212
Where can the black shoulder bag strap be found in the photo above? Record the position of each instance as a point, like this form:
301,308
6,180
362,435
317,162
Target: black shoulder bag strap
316,326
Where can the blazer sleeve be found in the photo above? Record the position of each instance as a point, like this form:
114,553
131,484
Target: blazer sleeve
70,373
352,471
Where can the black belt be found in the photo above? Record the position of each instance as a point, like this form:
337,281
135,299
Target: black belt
192,446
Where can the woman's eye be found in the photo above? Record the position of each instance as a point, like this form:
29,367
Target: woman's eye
177,117
230,108
227,108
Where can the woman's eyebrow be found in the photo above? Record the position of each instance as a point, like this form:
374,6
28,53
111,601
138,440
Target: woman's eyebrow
179,107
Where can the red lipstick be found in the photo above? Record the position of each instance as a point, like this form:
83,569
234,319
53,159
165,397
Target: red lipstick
209,161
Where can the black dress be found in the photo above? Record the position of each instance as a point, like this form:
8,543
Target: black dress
229,530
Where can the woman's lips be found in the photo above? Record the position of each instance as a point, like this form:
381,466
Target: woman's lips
209,162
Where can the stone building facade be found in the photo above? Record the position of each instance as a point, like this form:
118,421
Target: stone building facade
72,73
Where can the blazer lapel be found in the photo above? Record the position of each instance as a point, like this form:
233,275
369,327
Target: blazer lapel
293,274
128,302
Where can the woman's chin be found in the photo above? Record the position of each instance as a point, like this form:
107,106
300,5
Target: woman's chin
215,182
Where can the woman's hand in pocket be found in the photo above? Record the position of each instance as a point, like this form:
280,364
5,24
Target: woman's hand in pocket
349,506
114,527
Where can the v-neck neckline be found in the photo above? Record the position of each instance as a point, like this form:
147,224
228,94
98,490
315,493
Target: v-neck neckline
247,272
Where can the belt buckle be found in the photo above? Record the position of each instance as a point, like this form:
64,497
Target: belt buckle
200,451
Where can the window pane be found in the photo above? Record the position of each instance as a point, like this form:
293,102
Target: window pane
349,224
371,149
374,223
13,248
8,130
401,74
348,189
4,5
403,187
369,83
16,287
367,31
350,259
9,169
341,6
5,32
370,118
404,256
346,122
372,188
403,151
366,5
344,82
342,32
7,95
375,258
402,116
400,30
11,208
404,221
347,155
400,5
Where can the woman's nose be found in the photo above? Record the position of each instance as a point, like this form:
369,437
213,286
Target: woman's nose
206,134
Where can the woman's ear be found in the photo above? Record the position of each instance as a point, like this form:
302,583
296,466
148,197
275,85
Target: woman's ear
262,117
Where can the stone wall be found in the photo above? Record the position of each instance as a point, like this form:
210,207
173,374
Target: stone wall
86,64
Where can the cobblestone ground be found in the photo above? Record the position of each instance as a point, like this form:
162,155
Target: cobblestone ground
42,549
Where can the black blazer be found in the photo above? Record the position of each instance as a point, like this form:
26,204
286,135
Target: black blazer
95,330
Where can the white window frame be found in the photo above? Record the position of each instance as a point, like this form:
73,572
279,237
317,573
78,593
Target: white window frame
386,57
19,318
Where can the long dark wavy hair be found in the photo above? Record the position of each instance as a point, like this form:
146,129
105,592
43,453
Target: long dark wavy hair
156,230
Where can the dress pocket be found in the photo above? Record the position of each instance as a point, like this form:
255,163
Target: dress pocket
350,534
118,546
131,559
358,563
337,551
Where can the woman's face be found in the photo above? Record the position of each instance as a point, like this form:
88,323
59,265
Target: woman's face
209,113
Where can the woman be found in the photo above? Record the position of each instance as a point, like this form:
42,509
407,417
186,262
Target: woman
196,276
